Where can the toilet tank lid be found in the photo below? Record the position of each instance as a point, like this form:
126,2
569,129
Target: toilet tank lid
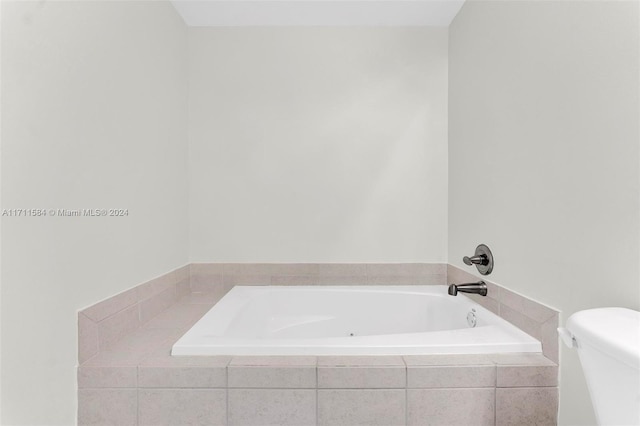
614,331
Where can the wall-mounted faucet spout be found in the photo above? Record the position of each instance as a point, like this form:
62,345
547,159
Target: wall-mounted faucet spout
475,288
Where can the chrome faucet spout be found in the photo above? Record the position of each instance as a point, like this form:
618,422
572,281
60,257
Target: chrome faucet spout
473,288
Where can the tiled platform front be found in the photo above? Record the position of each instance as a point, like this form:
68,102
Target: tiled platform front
138,382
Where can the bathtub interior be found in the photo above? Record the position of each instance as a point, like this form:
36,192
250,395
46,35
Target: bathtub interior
344,320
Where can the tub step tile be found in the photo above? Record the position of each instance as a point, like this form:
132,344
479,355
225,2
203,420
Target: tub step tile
107,377
526,406
451,407
361,372
107,407
283,407
186,407
483,376
361,407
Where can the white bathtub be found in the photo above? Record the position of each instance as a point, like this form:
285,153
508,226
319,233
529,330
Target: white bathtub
349,320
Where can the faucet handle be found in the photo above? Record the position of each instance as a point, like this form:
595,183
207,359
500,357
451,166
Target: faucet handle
482,258
476,260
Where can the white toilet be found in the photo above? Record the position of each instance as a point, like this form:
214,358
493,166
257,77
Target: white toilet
608,344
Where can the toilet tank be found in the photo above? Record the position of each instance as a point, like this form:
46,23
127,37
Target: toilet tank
608,344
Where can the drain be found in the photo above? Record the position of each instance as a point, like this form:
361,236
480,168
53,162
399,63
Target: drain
352,334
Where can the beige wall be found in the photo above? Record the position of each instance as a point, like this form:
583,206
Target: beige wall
543,156
318,144
93,116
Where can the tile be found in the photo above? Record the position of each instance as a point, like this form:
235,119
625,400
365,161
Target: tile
523,358
185,407
462,359
110,306
342,280
523,322
361,407
273,361
87,338
342,269
116,407
525,306
272,377
154,305
182,377
249,268
360,361
156,286
550,339
406,279
294,279
134,347
373,377
107,377
200,298
526,406
527,375
294,269
451,407
451,376
114,328
183,288
180,316
406,269
206,277
182,273
233,280
262,407
272,372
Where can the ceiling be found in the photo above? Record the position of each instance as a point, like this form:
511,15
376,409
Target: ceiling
214,13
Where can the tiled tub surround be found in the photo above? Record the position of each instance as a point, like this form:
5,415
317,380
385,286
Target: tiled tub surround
127,376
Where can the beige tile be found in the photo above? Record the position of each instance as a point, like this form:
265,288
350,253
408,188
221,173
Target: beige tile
360,361
406,279
521,321
462,359
342,269
294,279
451,376
342,280
456,275
262,407
525,306
201,298
179,316
272,372
233,280
115,358
161,357
523,358
114,328
550,339
183,288
156,286
273,361
272,377
107,377
182,377
182,273
185,407
249,268
110,306
146,340
87,338
361,407
206,277
527,376
154,305
114,407
406,269
376,377
526,406
450,407
294,269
